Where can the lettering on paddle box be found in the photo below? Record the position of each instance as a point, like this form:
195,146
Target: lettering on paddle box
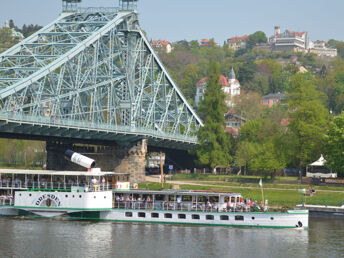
48,200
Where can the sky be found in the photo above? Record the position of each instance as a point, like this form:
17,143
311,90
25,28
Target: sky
174,20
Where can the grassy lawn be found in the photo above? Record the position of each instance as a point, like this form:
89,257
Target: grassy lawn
210,177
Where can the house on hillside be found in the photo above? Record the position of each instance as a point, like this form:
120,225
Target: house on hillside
166,46
16,35
321,48
234,122
237,43
230,86
289,41
206,43
273,99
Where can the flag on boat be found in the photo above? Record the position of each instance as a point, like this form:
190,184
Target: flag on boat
260,183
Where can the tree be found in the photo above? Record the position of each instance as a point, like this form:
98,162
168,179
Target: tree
190,77
334,145
308,118
5,36
267,159
214,144
11,24
339,45
249,105
256,38
244,154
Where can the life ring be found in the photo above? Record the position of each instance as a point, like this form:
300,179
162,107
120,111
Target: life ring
136,186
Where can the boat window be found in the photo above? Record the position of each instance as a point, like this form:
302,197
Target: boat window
253,218
74,196
181,216
195,216
20,194
94,197
224,217
209,217
239,217
272,218
168,215
80,196
128,214
66,195
30,194
141,215
104,197
155,215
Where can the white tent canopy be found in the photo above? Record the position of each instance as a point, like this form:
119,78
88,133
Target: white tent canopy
317,169
320,162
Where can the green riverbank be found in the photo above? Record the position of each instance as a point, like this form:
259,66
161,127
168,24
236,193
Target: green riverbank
281,194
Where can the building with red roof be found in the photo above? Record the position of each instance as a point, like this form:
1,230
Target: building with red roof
289,41
237,43
162,44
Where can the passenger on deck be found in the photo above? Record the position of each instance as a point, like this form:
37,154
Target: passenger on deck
179,202
94,182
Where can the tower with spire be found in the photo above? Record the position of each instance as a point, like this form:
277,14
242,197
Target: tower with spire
231,75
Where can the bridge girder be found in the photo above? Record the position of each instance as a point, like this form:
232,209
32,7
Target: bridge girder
94,71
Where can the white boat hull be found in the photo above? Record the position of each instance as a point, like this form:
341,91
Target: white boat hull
297,219
291,219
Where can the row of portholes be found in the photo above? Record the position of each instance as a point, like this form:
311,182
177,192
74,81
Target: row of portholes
73,196
183,216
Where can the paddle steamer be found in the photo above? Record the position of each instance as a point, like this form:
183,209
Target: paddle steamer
103,196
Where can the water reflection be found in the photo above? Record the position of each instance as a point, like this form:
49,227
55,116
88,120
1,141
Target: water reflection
60,238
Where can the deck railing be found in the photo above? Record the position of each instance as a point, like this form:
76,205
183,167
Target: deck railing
189,206
43,185
6,201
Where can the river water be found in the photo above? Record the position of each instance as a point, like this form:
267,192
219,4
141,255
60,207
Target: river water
62,238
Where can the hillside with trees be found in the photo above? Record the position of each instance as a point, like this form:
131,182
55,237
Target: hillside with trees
291,134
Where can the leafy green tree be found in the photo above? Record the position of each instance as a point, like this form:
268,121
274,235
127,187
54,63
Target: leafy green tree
273,71
190,77
5,36
339,45
245,153
267,159
334,145
256,38
214,144
308,118
11,24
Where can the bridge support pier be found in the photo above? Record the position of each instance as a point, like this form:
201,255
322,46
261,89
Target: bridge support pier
122,159
132,160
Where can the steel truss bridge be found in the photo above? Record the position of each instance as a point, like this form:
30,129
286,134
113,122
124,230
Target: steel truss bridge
92,74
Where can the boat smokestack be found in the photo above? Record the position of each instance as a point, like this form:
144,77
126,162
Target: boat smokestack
79,159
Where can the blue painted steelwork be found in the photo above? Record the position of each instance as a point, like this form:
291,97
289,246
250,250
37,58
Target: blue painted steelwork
93,70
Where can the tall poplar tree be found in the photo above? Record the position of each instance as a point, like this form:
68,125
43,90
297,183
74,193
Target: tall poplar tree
214,142
334,145
308,119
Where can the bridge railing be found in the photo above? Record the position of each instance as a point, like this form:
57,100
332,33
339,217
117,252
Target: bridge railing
62,122
97,10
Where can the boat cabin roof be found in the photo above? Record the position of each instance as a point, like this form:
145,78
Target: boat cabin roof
178,192
59,173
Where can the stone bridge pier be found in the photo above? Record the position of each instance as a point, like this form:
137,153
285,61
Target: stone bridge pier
115,158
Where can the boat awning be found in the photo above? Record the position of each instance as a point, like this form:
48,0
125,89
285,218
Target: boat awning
320,162
178,192
59,173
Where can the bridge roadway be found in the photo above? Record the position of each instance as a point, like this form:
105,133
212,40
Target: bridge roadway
45,128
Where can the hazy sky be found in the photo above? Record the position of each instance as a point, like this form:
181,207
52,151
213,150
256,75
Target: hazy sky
196,19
